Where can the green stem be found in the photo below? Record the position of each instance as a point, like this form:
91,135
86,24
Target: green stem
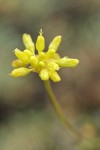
58,110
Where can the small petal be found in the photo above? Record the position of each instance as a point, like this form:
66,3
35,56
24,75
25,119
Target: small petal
27,52
34,61
55,43
44,75
27,40
54,76
20,72
40,42
67,62
50,53
42,56
22,56
41,64
52,66
17,63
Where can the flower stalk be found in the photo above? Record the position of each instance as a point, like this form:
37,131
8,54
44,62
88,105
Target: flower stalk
58,110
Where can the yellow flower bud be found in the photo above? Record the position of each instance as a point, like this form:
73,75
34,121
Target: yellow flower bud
55,43
40,43
42,56
67,62
52,66
22,56
54,76
41,64
44,75
22,71
27,52
50,53
27,40
17,63
33,61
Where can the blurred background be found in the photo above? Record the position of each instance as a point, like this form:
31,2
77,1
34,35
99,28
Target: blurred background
27,120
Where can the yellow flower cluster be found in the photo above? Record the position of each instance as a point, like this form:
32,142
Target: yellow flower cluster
45,63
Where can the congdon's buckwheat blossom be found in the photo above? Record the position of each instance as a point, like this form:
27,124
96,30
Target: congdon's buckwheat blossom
46,64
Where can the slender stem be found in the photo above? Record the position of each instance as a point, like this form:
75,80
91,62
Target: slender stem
58,110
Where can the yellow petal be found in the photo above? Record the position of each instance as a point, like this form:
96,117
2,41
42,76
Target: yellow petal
27,52
17,63
41,64
22,71
50,53
54,76
55,43
44,75
42,56
34,61
52,66
22,56
40,42
67,62
27,40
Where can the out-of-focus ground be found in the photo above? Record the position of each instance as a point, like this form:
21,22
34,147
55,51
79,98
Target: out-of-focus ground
27,120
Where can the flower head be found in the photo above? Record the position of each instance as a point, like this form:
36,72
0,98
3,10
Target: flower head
46,64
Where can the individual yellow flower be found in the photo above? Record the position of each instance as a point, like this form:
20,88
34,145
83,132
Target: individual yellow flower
46,64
